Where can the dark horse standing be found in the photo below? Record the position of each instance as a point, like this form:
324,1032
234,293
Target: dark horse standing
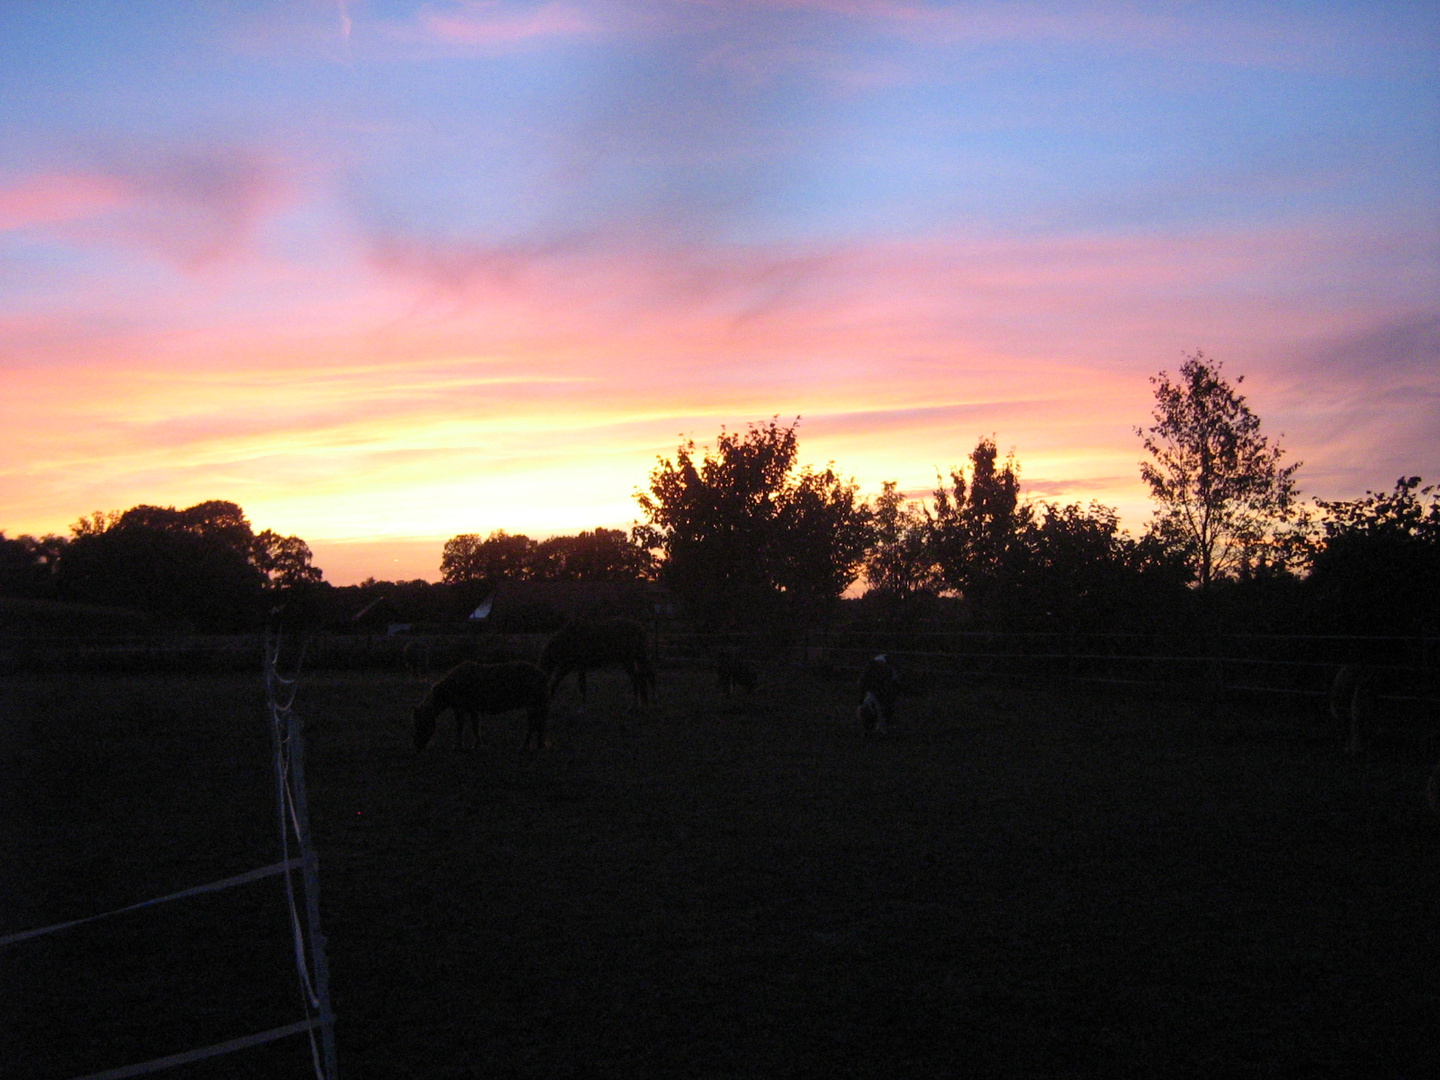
581,646
471,689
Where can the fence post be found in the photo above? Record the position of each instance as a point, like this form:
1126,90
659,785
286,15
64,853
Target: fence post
311,871
291,799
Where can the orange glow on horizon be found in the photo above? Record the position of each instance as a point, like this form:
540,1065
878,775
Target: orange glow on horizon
371,309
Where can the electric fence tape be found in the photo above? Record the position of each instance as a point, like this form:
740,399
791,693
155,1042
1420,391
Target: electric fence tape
287,744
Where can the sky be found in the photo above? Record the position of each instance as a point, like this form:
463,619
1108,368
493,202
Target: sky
384,273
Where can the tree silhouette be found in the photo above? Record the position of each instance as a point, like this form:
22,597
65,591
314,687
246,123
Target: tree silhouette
899,562
1080,570
742,533
821,534
202,565
284,560
977,526
500,555
595,555
1222,492
1376,569
28,564
187,576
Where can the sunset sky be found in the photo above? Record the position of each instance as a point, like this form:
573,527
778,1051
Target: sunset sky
383,273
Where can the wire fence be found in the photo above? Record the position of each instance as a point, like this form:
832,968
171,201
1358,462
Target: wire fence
1400,669
297,858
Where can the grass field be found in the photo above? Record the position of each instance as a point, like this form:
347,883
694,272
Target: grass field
1018,882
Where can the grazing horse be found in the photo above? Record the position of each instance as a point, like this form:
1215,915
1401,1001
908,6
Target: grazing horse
880,688
731,671
471,689
582,646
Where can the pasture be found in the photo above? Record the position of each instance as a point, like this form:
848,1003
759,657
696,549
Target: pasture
1017,882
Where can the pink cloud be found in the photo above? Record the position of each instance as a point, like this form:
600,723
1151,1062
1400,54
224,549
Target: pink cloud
54,198
204,208
1012,295
488,24
195,209
440,360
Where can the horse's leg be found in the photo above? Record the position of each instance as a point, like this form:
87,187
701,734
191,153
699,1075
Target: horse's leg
580,677
639,672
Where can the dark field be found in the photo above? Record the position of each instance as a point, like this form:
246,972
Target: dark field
1018,882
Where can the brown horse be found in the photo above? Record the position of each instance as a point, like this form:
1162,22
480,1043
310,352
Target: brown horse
604,643
471,689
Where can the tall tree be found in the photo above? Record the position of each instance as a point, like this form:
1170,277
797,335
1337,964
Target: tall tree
899,562
1223,493
977,525
741,532
822,531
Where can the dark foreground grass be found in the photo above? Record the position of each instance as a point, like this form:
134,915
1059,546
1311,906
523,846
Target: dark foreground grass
1017,883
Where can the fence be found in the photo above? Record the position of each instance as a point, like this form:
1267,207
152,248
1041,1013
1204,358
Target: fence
1406,669
297,857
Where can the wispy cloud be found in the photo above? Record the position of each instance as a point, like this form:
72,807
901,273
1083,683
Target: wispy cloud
490,24
200,208
196,208
554,234
53,198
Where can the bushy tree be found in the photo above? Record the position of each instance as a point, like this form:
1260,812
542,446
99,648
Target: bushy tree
28,564
1075,558
500,555
152,559
740,532
822,530
202,565
1376,568
1224,496
977,526
593,555
1081,571
898,563
284,560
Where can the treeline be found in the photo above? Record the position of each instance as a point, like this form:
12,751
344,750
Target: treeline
743,535
596,555
203,567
